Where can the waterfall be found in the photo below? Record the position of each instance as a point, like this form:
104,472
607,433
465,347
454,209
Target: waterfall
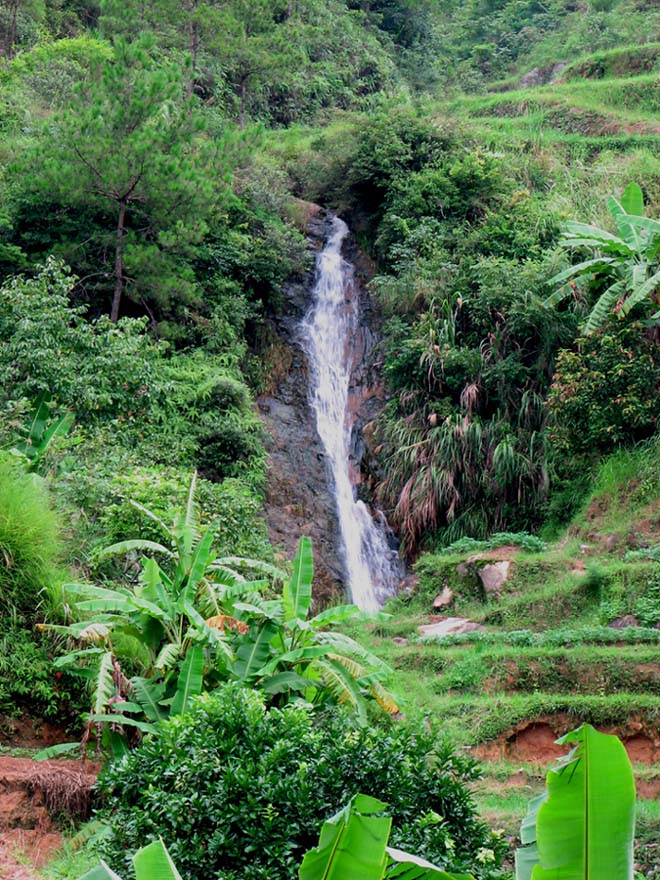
373,568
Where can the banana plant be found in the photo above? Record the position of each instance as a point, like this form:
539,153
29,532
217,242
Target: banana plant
290,653
152,862
626,263
198,621
36,435
354,844
583,826
176,614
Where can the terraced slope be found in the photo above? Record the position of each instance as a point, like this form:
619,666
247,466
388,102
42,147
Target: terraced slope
605,101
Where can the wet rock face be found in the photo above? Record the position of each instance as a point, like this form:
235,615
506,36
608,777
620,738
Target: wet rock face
300,494
367,391
299,497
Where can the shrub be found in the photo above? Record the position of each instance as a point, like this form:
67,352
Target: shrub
164,491
604,394
28,679
29,541
99,370
236,791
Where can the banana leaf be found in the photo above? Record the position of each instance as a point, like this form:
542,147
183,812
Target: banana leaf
152,862
297,594
584,827
353,844
190,680
254,650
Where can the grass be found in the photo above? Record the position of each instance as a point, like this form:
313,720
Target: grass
77,855
500,670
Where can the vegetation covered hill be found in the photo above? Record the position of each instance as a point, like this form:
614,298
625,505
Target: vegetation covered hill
155,158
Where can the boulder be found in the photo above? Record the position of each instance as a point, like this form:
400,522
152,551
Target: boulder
450,626
464,570
493,576
443,600
624,622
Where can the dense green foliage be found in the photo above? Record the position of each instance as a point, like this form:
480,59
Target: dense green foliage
189,621
232,765
155,159
30,544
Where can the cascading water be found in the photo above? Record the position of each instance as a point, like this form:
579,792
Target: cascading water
373,568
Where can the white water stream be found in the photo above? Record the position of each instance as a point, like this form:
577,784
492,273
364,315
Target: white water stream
373,568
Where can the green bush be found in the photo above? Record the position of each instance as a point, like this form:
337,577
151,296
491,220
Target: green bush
29,681
30,543
98,370
164,491
606,393
236,791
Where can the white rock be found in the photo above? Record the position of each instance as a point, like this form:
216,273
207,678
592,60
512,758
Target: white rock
444,599
493,576
450,626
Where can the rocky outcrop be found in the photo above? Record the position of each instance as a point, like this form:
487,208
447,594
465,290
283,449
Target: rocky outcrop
493,576
299,499
299,495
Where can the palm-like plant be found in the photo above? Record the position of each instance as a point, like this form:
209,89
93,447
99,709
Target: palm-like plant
197,621
627,262
289,653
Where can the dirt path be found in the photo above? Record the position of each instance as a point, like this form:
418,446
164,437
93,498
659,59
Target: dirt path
20,852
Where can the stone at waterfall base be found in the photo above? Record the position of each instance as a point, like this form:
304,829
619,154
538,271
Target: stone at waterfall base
450,626
444,599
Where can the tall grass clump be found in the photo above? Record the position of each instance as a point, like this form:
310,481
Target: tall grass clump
30,543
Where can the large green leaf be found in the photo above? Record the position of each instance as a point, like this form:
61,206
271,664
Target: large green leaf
254,650
105,685
135,544
101,872
632,200
190,680
352,844
284,682
297,594
202,558
149,696
587,266
343,686
641,293
404,866
585,826
604,305
124,720
153,862
57,751
341,613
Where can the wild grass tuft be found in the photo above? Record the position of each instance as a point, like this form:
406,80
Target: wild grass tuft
30,543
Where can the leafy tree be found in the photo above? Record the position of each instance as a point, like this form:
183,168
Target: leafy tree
14,15
627,264
247,786
130,144
96,369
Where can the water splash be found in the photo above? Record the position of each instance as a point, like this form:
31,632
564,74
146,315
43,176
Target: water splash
373,567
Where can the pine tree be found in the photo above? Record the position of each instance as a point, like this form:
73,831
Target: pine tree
131,142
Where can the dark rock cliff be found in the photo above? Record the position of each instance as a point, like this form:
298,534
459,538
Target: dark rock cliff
299,496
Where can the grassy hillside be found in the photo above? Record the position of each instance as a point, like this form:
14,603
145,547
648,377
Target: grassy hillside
166,173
